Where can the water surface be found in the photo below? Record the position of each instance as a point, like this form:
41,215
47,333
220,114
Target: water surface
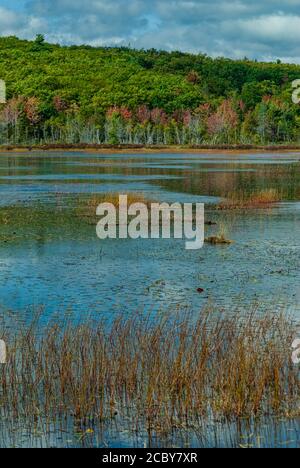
56,261
51,259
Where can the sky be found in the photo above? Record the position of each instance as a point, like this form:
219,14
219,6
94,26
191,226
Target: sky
257,29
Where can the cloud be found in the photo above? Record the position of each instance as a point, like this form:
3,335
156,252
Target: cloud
15,23
266,30
272,28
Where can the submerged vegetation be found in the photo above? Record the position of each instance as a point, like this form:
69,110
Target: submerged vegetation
85,95
218,240
221,238
171,372
86,208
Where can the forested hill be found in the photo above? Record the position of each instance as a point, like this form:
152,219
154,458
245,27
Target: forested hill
119,95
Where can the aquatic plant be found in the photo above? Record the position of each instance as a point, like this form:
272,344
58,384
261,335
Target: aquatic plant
87,208
160,373
216,240
221,238
241,200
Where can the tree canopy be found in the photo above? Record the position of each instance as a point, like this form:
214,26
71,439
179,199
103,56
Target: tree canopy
82,93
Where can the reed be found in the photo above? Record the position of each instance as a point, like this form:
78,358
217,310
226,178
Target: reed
242,200
221,237
87,208
162,373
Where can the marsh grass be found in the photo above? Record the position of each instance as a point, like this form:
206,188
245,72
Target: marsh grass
221,237
114,199
162,373
39,224
218,240
242,200
86,209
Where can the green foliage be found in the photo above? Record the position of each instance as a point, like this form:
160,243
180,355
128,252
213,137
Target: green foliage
67,92
253,92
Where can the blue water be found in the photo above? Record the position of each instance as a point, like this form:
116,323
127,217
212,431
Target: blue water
71,269
52,261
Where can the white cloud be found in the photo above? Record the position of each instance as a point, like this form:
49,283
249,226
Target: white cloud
273,27
264,29
15,23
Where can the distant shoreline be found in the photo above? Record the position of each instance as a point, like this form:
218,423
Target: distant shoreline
107,149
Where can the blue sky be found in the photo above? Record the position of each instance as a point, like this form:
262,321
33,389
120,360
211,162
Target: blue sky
258,29
17,5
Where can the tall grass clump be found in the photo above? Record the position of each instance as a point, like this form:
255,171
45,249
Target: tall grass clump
242,200
87,208
161,373
221,238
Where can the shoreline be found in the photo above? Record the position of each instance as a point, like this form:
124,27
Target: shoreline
110,149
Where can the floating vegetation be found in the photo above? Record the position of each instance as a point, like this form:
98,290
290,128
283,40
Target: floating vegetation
221,238
218,240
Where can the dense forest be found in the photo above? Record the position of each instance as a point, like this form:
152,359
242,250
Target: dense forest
81,94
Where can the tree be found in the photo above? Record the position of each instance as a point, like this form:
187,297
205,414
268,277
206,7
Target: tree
153,96
193,77
40,40
39,43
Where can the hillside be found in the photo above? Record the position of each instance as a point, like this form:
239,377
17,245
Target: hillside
119,95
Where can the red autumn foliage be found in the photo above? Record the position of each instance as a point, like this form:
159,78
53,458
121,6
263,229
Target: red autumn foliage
12,110
203,110
182,117
193,77
143,114
59,104
31,110
225,118
123,112
267,98
187,118
215,124
178,116
159,117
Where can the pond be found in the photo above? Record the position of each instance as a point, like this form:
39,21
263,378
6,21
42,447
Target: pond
50,259
52,262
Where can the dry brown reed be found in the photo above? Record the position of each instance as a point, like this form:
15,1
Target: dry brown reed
166,372
87,208
242,200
